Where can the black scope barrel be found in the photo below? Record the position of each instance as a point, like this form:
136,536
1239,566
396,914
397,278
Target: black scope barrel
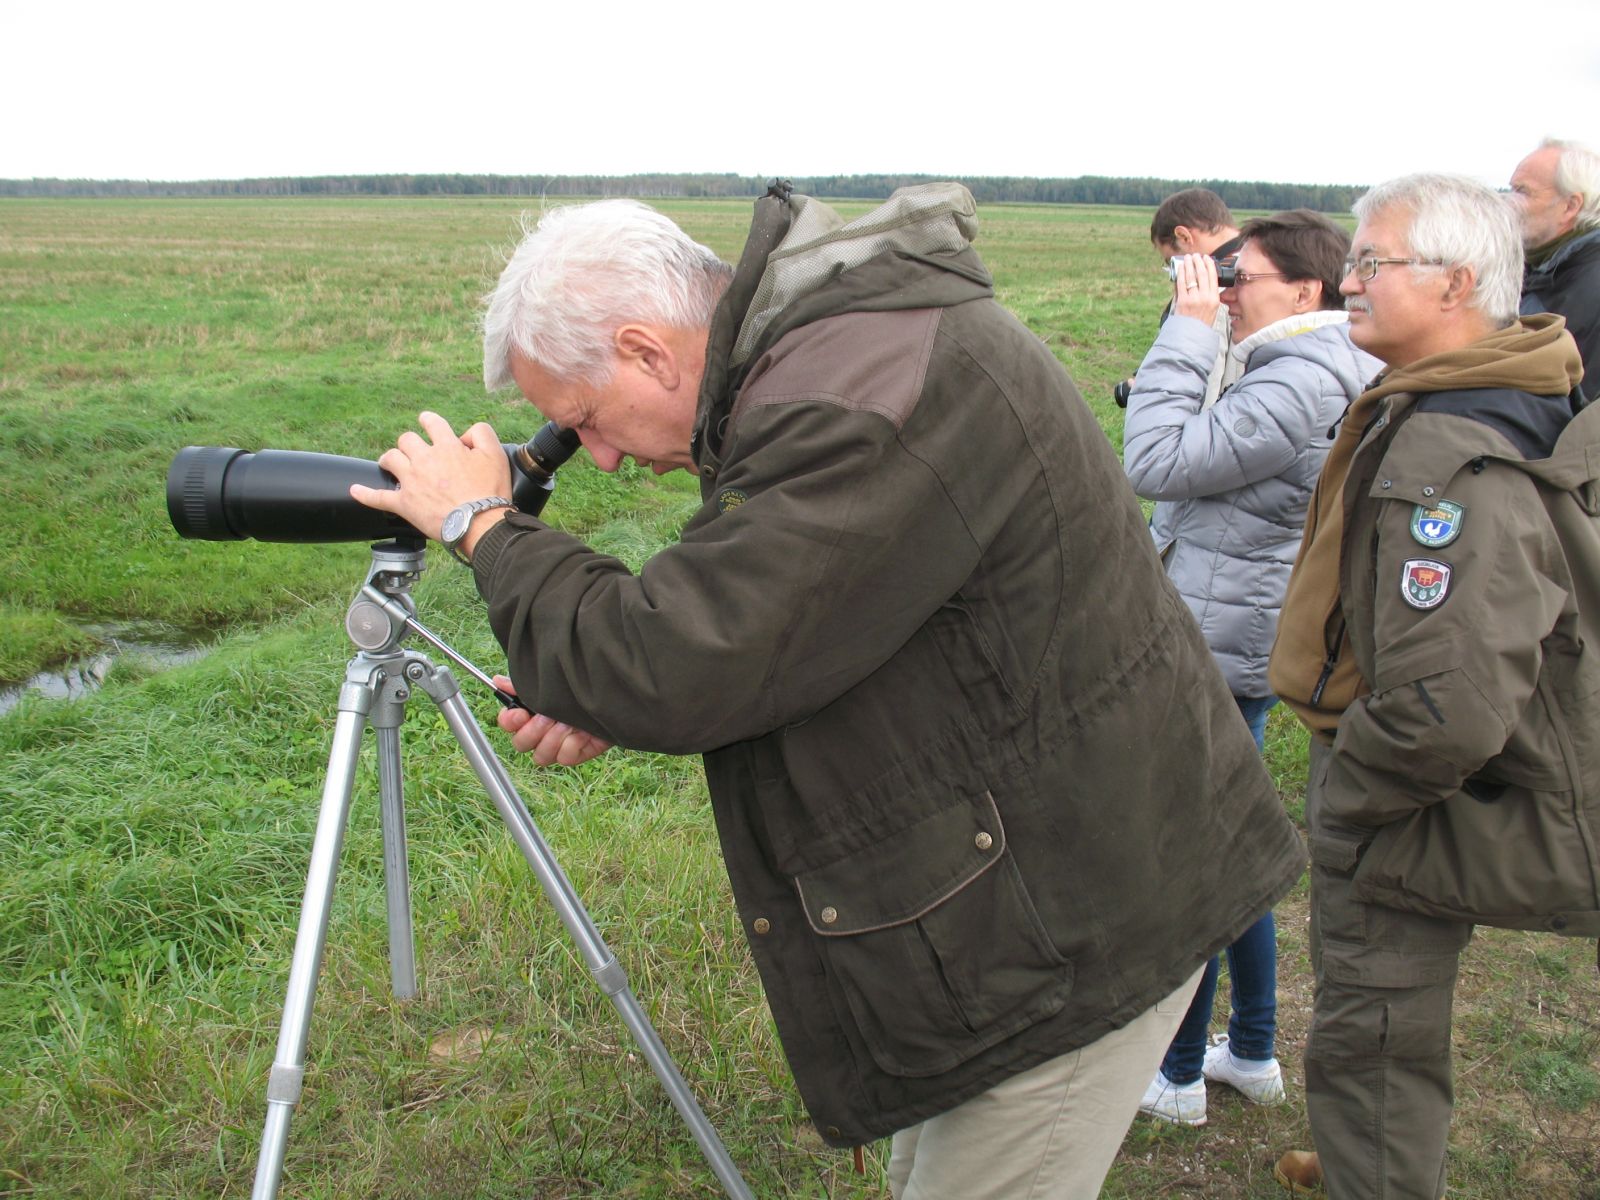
221,493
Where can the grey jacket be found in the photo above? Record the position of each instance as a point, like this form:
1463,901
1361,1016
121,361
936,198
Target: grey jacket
1234,479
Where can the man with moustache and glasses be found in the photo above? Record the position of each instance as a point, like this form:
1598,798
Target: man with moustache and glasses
1434,642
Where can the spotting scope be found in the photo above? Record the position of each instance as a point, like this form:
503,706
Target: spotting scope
221,493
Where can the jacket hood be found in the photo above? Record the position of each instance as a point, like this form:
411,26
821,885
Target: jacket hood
931,219
1533,354
803,261
1322,338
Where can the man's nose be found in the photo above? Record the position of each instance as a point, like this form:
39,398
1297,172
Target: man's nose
605,457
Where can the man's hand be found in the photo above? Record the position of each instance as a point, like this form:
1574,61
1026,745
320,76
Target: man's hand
435,477
548,740
1194,287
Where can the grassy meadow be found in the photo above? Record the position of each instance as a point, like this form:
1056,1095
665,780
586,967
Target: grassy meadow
154,836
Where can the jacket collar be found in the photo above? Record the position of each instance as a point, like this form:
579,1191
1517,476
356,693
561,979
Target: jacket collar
1288,327
1568,249
773,216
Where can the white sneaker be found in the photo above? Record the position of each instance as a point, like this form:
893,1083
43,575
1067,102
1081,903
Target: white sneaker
1260,1083
1181,1104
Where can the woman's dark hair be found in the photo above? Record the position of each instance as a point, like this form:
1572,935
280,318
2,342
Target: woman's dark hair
1303,245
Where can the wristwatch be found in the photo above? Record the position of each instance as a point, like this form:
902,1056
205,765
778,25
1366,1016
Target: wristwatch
459,519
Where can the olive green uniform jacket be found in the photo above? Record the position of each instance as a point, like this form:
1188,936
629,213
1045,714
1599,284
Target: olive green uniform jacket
1465,779
981,790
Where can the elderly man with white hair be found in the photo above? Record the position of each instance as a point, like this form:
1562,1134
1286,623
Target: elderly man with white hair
1440,639
1557,188
972,765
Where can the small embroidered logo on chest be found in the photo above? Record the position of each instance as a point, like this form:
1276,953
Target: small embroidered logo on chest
729,499
1438,525
1424,583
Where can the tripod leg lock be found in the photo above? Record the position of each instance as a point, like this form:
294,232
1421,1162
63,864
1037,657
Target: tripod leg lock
611,977
283,1085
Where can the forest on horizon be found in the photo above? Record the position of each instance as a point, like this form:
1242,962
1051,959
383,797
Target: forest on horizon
1082,189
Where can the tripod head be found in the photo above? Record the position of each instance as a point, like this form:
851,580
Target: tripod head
377,618
383,612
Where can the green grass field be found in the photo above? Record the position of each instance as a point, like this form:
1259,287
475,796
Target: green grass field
154,837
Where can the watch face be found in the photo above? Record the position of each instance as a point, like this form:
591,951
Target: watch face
455,524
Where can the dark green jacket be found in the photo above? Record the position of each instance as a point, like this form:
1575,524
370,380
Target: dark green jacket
982,792
1466,782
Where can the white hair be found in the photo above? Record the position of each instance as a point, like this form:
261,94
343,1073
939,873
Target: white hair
582,272
1578,174
1460,223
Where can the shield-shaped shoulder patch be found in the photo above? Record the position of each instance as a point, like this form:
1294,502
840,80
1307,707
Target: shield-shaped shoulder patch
1424,583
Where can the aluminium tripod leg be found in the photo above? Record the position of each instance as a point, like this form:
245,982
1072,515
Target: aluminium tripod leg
396,872
608,973
288,1065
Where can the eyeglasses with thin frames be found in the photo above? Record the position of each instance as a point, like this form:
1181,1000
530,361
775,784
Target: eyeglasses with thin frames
1366,267
1243,277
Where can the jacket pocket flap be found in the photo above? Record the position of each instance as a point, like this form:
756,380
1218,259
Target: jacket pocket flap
906,875
1337,850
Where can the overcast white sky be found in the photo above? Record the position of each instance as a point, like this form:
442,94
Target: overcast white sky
1291,90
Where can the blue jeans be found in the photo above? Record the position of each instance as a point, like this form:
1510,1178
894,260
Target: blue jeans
1252,971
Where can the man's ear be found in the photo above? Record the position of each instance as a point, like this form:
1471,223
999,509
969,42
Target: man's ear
1462,281
644,348
1570,208
1183,239
1308,296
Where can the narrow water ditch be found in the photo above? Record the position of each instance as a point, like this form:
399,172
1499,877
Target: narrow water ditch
152,642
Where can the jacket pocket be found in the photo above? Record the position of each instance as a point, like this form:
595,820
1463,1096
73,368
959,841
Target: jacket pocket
934,942
1495,853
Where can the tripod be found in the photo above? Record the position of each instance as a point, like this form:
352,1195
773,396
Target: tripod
378,682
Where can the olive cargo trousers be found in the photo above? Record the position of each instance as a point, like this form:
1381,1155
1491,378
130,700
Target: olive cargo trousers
1378,1084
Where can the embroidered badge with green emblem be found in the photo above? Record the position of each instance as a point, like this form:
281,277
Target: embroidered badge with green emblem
1439,525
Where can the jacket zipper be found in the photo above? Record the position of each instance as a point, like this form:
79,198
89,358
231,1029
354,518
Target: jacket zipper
1328,664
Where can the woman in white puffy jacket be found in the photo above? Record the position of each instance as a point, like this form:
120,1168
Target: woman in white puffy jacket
1232,480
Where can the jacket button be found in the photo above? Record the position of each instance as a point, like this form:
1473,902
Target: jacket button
833,1131
1386,484
829,915
762,925
1558,922
1427,491
708,471
983,841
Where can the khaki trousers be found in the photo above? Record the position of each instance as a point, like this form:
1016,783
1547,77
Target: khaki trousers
1378,1085
1047,1134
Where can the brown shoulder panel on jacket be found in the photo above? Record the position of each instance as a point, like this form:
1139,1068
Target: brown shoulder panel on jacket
876,362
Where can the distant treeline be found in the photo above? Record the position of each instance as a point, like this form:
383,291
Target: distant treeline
1084,189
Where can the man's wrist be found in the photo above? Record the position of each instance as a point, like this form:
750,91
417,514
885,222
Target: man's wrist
481,524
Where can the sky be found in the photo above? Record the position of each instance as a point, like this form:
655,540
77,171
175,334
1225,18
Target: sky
1284,91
